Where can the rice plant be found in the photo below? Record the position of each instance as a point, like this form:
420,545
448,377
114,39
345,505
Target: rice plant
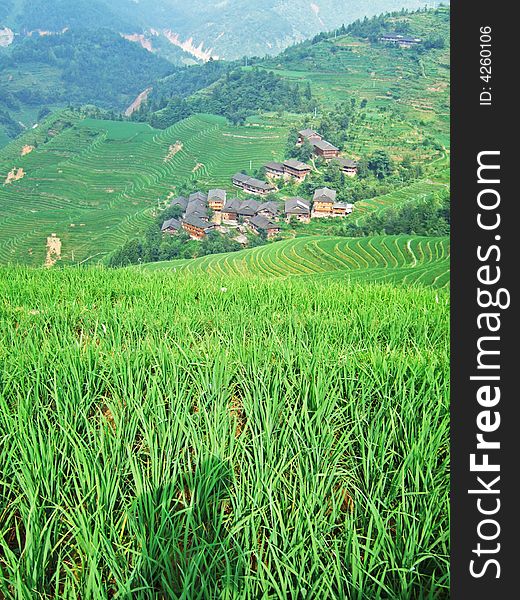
185,435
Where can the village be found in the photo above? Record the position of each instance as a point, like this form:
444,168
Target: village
201,213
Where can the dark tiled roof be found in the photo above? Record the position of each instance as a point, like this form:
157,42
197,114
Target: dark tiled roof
308,133
260,222
217,194
274,166
297,206
259,185
346,162
325,194
241,177
197,206
180,201
200,196
171,224
248,208
271,206
324,145
232,206
296,164
196,221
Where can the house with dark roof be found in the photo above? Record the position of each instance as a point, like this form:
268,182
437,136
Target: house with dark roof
289,168
197,208
274,169
323,202
248,209
310,135
260,224
297,209
239,179
342,209
180,201
270,210
198,196
348,166
252,185
325,149
297,169
217,199
196,228
171,226
230,211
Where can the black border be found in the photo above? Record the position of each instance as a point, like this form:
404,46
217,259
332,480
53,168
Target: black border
474,129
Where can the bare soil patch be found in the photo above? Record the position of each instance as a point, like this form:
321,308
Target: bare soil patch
14,175
26,150
173,150
53,251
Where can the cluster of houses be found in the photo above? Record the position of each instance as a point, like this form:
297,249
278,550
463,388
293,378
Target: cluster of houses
202,213
327,151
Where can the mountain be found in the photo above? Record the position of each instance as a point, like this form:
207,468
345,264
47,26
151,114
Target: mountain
227,28
98,183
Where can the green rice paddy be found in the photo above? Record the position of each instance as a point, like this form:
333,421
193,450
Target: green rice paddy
186,435
403,259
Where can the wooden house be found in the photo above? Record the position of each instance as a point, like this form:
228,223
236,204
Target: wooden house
325,149
348,166
342,209
297,169
252,185
297,209
274,170
217,199
248,209
197,208
260,224
171,226
230,211
403,41
239,180
270,210
310,135
323,202
196,227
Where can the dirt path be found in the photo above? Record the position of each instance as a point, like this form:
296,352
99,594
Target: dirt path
14,175
53,251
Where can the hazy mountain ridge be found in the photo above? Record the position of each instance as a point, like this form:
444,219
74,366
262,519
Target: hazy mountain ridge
227,29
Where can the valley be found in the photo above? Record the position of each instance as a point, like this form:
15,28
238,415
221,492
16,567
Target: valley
225,314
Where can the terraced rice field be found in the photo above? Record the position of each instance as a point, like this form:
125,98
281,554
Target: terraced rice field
417,192
96,183
400,259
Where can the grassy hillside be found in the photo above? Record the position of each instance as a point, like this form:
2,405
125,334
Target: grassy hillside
96,183
406,259
408,91
237,436
74,68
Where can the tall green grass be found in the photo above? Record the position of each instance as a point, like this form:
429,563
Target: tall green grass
191,436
